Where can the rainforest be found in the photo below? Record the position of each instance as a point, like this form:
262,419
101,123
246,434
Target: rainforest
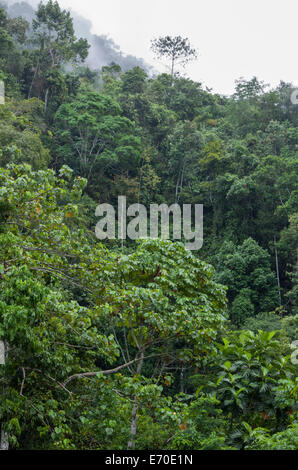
119,344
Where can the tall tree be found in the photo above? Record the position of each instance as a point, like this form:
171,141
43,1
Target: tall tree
55,43
93,137
177,49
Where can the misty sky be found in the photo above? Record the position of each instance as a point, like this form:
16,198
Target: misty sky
234,37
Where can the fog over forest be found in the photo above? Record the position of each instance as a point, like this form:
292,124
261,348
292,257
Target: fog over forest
103,50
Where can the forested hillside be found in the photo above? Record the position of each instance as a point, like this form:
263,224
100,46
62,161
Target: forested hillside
142,345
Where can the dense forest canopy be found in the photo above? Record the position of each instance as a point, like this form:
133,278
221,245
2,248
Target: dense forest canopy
142,345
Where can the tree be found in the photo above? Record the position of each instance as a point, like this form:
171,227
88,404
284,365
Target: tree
251,382
246,270
55,44
45,329
184,144
20,134
110,76
176,49
92,137
292,294
134,80
165,309
203,426
249,89
158,307
12,56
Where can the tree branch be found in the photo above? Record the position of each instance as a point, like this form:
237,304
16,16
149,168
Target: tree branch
104,372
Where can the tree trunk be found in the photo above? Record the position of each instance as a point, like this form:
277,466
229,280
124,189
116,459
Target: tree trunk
177,188
277,271
172,68
4,444
46,100
2,353
179,184
133,427
182,380
33,79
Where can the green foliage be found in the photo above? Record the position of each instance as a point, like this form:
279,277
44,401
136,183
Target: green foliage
203,428
54,44
246,270
255,384
53,340
135,346
264,322
20,135
92,129
134,80
284,440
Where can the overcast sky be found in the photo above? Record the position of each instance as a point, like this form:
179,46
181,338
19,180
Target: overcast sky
234,37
